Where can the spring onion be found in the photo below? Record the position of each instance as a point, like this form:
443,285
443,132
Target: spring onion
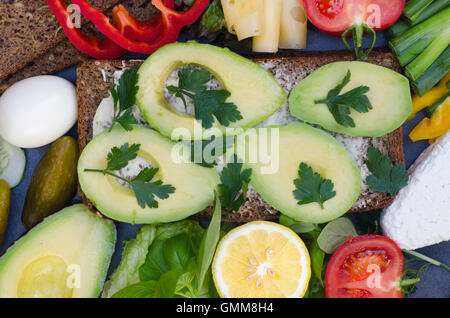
418,66
433,74
402,25
414,8
430,27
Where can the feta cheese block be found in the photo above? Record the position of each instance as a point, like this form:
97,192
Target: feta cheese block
420,214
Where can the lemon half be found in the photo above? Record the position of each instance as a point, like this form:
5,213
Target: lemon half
261,260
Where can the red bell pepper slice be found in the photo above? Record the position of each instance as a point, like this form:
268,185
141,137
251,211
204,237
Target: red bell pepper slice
139,30
172,20
96,48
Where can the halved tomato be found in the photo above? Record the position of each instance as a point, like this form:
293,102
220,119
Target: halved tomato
367,266
345,17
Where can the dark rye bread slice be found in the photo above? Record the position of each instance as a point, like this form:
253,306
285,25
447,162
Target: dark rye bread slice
29,29
65,54
93,85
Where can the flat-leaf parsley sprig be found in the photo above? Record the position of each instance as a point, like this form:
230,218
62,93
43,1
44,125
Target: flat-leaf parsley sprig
143,188
385,176
234,186
340,105
311,187
207,103
124,98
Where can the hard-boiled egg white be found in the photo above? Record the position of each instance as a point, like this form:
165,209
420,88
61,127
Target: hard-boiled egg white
38,110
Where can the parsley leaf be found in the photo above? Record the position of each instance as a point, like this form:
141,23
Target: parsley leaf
124,98
385,177
206,152
144,190
233,181
341,105
118,158
207,103
311,187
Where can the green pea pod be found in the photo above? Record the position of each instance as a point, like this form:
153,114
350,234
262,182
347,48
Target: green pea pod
5,202
54,182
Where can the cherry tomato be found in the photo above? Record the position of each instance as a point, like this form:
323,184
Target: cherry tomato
368,266
345,17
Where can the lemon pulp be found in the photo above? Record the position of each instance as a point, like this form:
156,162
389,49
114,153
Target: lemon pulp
261,259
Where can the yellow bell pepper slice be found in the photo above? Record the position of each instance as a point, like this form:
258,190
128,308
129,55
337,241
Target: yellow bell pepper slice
420,102
436,126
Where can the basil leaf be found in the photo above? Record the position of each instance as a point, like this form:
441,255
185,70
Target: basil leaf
139,290
155,263
317,258
178,251
209,243
297,226
167,284
335,233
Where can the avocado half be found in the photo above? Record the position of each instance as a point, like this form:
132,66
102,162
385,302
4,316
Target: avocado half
194,184
65,256
275,153
388,93
253,89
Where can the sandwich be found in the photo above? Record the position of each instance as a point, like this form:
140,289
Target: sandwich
93,85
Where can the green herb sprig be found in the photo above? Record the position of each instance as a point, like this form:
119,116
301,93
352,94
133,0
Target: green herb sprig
207,103
311,187
234,180
125,98
385,176
143,188
340,105
216,146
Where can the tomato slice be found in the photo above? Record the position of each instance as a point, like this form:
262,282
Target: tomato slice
368,266
336,16
353,17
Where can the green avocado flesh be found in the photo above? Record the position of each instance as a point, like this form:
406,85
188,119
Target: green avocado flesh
253,89
297,143
388,93
67,255
195,185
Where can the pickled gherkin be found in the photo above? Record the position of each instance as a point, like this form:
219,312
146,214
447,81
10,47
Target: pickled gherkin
54,182
5,201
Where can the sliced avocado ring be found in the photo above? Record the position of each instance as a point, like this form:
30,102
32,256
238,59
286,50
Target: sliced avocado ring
388,93
194,185
253,89
297,143
75,244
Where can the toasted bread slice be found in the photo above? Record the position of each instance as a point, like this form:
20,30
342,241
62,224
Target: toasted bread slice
93,82
65,54
29,29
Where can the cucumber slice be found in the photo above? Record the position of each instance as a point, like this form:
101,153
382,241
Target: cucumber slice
12,163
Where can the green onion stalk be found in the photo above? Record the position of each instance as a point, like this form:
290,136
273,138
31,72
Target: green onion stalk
403,25
414,8
429,28
433,74
418,66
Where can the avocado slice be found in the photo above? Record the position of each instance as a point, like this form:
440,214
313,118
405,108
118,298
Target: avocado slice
275,153
388,93
253,89
67,255
194,184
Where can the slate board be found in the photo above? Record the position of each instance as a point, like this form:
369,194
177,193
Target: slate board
434,283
